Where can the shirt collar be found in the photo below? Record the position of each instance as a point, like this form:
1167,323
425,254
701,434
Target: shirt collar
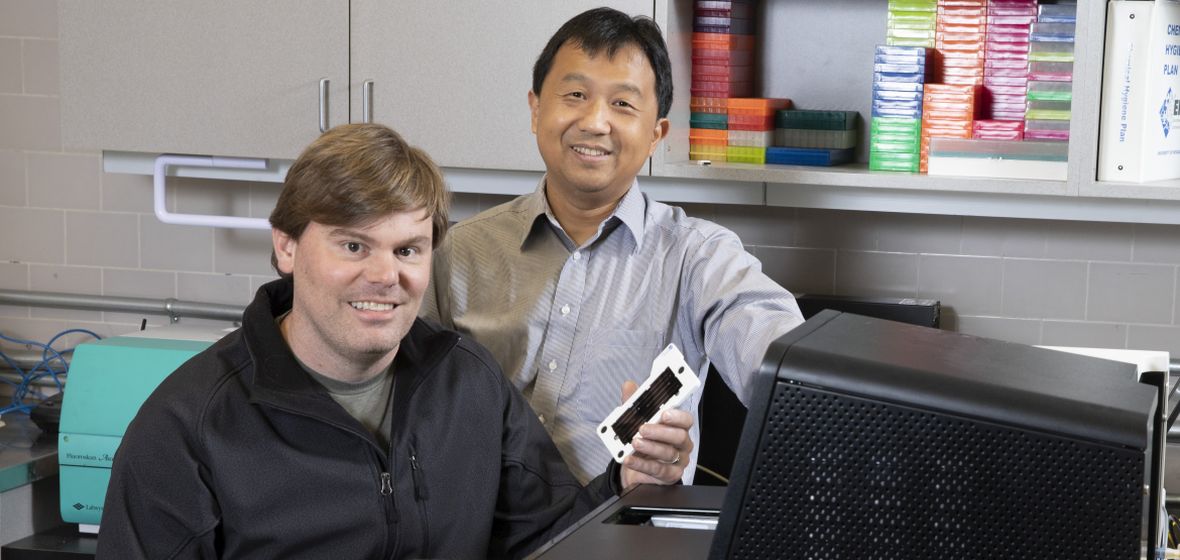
631,212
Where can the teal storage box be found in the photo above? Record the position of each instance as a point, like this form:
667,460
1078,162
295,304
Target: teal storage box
108,381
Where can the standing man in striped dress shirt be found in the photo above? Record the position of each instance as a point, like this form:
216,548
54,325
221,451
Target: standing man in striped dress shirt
577,287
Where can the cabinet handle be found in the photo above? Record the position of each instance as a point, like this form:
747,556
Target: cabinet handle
161,169
367,101
324,126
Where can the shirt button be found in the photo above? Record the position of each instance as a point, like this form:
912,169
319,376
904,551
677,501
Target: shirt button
577,255
565,310
552,365
541,418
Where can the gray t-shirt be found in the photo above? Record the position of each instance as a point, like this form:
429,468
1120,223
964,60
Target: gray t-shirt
367,401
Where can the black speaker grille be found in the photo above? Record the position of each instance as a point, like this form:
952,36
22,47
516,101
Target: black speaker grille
839,477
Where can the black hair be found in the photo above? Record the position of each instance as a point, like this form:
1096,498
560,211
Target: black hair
607,29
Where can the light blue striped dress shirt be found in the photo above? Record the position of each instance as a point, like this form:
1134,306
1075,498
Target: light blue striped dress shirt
569,323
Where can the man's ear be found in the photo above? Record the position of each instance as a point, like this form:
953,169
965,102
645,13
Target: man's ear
658,133
284,248
534,103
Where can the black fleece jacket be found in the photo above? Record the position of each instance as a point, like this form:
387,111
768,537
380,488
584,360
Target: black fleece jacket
240,454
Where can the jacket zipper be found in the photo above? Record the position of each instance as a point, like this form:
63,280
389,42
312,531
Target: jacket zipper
389,502
420,494
385,478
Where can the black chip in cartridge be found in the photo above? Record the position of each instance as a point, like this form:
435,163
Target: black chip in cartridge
659,392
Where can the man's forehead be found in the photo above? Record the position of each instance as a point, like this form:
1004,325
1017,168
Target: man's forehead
402,218
624,56
622,53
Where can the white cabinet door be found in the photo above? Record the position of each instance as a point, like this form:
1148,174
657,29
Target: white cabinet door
220,77
453,76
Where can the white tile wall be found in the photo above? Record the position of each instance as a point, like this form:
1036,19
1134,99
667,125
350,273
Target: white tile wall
263,197
12,179
1094,241
30,122
40,66
70,280
102,239
879,274
28,18
171,247
919,233
32,235
242,251
127,193
205,196
973,283
64,181
1024,331
765,226
1095,335
214,288
836,229
138,284
1154,338
10,66
799,270
1156,244
65,225
1003,237
13,276
1043,289
1131,293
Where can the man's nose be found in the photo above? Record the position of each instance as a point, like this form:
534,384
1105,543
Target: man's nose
382,269
596,118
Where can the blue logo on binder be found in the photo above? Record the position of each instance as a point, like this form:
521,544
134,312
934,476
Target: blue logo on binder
1164,113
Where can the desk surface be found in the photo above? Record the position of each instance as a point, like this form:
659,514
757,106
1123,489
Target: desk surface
62,543
26,453
596,537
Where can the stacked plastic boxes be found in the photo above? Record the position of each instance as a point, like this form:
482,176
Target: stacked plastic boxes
1005,73
813,137
911,23
948,111
751,128
899,74
995,129
722,67
1050,86
959,40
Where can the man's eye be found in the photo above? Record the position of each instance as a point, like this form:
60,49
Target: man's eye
353,247
624,104
577,95
407,251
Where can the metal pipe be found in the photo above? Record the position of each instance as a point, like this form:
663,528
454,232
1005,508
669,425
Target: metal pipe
173,308
27,359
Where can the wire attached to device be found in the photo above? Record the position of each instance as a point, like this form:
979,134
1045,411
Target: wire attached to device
53,364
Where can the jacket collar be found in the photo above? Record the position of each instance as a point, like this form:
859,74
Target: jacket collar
279,380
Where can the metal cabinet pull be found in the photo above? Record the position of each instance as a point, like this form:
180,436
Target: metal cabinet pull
367,101
324,126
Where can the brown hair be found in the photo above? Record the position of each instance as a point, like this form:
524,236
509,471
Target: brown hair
356,174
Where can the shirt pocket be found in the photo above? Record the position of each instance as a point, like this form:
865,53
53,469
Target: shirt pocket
614,356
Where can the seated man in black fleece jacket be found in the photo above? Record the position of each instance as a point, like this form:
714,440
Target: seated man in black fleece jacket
334,424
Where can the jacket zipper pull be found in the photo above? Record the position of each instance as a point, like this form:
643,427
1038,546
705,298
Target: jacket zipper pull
386,484
416,472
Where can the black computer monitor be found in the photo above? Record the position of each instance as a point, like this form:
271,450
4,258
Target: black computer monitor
868,438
